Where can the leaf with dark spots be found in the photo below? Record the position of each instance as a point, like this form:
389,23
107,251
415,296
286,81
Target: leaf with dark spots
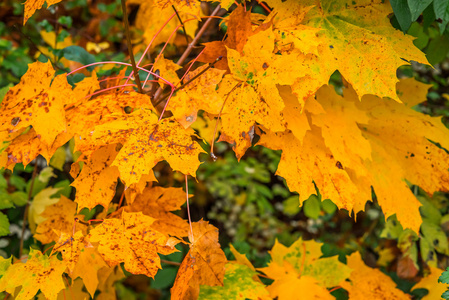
132,240
40,272
44,100
146,142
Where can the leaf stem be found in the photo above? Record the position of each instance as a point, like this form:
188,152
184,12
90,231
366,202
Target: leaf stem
27,206
130,47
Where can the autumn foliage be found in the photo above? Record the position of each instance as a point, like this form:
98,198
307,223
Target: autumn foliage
265,83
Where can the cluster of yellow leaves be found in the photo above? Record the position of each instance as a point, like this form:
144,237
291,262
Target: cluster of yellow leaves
271,81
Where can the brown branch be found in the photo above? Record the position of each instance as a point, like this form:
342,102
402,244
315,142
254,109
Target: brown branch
130,47
173,263
191,46
27,206
197,37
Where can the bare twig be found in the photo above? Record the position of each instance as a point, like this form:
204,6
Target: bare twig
192,45
182,23
130,46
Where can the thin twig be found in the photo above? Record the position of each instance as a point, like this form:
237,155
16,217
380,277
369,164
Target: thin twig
192,45
197,37
121,199
173,263
183,27
130,47
188,81
27,206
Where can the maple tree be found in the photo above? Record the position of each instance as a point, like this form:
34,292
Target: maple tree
266,83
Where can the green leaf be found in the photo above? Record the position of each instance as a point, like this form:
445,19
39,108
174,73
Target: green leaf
328,206
312,207
19,198
436,237
57,161
428,253
291,205
429,212
444,278
441,9
393,229
80,55
5,201
4,224
238,284
402,13
417,7
445,295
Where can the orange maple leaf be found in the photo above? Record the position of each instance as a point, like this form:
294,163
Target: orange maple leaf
132,240
157,202
97,181
146,142
203,265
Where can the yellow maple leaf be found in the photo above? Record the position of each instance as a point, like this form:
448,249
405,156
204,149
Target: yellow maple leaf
200,94
133,241
300,264
40,272
146,142
59,216
157,202
431,283
354,37
96,184
88,265
34,102
32,5
203,265
71,246
369,283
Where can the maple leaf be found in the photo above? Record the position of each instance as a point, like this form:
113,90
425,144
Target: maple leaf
40,272
159,12
59,216
202,95
369,283
32,5
34,102
97,181
132,240
355,37
239,28
237,284
71,245
88,265
40,202
204,264
353,145
432,282
300,264
157,202
146,142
